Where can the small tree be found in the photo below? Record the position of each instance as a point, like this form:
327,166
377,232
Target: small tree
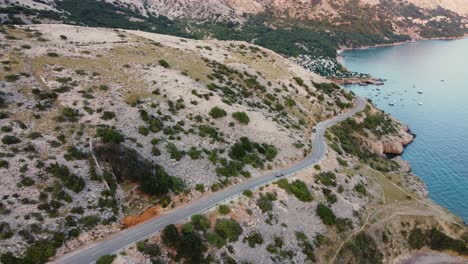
170,236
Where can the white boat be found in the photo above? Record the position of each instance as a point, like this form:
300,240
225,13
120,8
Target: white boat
420,104
391,104
420,92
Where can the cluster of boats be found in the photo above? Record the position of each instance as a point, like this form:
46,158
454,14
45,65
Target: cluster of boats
391,94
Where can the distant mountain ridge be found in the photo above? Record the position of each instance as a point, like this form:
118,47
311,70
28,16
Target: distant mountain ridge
311,31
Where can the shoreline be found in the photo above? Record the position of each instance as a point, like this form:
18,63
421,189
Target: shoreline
437,202
371,80
343,49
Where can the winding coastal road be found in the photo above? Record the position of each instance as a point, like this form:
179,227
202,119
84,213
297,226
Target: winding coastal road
128,237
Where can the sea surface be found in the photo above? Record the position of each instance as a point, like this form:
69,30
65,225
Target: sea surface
427,83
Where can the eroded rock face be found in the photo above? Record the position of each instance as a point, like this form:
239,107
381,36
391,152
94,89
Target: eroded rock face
404,165
391,145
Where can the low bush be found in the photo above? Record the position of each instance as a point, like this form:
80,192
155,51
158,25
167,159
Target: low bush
109,135
265,202
298,188
164,64
10,140
326,214
362,249
174,152
228,229
69,180
360,188
3,164
200,222
217,112
224,209
327,178
241,117
253,239
106,259
68,114
107,115
435,240
11,77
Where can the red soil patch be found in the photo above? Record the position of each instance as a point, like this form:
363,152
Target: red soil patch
132,220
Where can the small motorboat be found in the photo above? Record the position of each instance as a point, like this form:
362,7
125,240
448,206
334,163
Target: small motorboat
420,92
420,103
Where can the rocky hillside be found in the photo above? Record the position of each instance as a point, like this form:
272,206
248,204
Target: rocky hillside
101,129
97,124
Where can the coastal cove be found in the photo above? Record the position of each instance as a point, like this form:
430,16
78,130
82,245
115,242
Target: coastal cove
426,88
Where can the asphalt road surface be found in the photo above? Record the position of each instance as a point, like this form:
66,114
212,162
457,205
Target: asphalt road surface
128,237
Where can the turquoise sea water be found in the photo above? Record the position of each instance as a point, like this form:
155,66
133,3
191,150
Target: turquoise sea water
438,69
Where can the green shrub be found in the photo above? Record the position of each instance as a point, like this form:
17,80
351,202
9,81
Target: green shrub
164,63
217,112
265,202
362,249
74,154
299,80
52,54
194,153
40,252
440,241
331,197
200,222
342,162
200,187
307,247
71,181
34,135
170,236
109,135
327,178
174,152
360,188
150,249
10,140
326,214
436,240
228,229
107,115
417,239
253,239
11,77
143,130
106,259
224,209
90,221
297,187
248,193
4,115
68,114
241,117
3,163
215,239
